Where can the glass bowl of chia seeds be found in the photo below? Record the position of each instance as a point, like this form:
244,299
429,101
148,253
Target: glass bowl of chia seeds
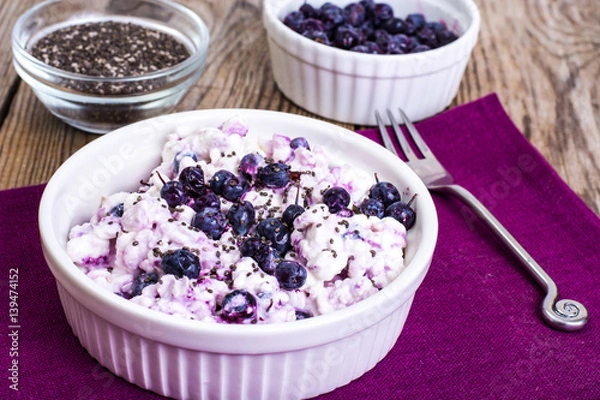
99,65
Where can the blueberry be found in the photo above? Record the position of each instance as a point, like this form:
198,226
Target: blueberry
143,280
336,198
260,251
427,36
250,246
313,25
366,31
368,48
355,14
346,37
173,193
395,48
276,233
331,16
238,306
299,142
401,42
445,37
181,262
420,48
326,5
412,43
368,5
394,26
290,214
383,39
180,156
301,314
192,179
249,165
381,12
207,200
361,48
385,192
234,187
290,274
211,221
436,26
317,36
309,11
294,20
414,22
241,217
372,208
402,212
274,175
117,211
218,180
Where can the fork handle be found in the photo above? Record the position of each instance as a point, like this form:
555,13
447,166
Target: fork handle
565,315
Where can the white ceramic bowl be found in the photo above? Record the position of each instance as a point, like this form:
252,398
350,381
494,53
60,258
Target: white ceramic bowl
349,87
58,89
191,359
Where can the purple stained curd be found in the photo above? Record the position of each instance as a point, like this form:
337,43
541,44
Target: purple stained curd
314,261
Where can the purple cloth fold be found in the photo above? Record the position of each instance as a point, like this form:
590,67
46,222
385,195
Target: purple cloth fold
475,329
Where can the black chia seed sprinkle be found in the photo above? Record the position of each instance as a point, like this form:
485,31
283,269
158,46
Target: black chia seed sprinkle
110,49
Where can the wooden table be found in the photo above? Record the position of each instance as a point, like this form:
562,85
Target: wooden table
542,58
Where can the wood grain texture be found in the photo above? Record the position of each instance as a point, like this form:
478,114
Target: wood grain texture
542,58
9,82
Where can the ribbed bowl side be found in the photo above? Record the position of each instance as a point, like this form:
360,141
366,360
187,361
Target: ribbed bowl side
192,374
354,98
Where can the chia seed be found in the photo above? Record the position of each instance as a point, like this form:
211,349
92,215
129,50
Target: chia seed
110,49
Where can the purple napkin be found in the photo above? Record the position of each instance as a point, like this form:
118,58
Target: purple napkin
475,329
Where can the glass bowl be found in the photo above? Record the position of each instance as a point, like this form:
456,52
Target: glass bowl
63,92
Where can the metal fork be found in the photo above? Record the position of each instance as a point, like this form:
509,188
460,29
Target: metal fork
565,315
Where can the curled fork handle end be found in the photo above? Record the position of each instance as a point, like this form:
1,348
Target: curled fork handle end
565,315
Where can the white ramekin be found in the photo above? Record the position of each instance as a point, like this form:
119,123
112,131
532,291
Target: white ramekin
194,360
349,87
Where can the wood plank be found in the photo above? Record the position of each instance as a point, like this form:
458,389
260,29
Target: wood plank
9,13
543,60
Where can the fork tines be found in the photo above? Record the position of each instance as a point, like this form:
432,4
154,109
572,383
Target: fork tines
402,141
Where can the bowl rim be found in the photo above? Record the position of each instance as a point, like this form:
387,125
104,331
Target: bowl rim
229,338
196,56
272,7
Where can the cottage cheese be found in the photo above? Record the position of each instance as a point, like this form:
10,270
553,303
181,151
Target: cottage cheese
347,257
